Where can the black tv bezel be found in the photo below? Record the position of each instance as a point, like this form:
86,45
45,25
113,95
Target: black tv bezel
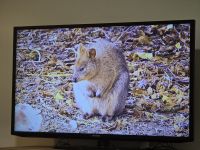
190,138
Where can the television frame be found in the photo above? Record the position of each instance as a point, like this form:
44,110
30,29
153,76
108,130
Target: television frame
113,136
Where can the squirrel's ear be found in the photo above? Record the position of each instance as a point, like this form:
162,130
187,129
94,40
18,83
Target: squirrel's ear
81,49
92,53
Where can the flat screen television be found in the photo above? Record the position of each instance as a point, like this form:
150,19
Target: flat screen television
110,80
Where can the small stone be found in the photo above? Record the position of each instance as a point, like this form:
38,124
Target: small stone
73,124
149,91
154,96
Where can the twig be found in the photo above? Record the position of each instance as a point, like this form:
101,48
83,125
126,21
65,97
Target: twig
122,34
34,64
73,49
56,75
39,55
101,30
113,127
172,75
168,71
51,75
33,61
69,61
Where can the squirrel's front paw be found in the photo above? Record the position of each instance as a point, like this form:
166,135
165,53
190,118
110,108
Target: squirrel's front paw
91,93
98,94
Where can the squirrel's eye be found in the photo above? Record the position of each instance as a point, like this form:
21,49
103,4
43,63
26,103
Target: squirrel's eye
81,69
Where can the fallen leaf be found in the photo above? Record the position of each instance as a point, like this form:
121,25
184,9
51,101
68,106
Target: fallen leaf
58,96
178,45
143,39
176,128
155,96
144,55
165,98
138,92
137,114
133,57
47,94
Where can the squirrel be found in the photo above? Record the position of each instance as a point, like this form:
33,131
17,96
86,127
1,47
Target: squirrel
101,80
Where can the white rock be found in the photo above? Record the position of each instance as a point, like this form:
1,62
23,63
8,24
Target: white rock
73,124
27,118
149,90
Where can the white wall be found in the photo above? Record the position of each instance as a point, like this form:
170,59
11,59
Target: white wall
46,12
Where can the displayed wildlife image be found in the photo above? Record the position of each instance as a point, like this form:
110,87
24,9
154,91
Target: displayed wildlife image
121,80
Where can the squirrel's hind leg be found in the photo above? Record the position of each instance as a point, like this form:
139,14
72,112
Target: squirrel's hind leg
88,116
107,118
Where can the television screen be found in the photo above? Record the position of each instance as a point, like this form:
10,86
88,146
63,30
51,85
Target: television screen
111,80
